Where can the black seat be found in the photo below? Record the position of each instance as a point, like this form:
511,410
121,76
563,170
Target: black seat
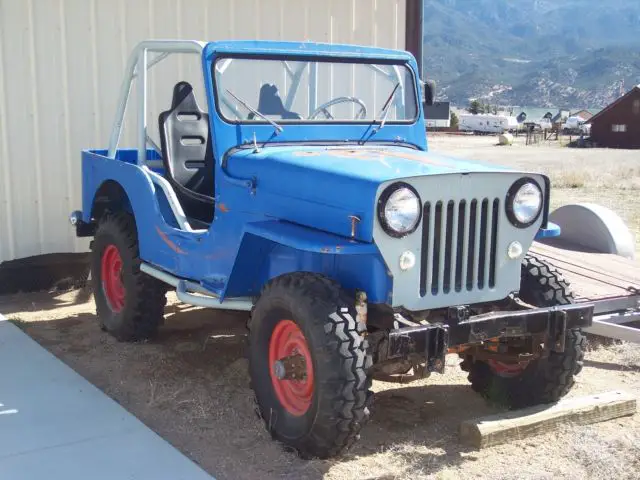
187,154
270,103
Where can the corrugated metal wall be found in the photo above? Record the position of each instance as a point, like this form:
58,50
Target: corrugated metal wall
61,63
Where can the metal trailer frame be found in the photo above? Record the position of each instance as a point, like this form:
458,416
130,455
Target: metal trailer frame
611,314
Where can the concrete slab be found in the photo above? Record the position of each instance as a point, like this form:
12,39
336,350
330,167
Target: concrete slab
56,425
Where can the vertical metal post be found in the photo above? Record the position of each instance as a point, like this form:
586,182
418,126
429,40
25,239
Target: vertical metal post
313,87
487,244
466,221
444,225
142,106
454,247
125,91
476,246
414,31
430,251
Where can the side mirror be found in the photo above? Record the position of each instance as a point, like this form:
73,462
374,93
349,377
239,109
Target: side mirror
429,88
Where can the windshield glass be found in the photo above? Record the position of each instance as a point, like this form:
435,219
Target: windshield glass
289,91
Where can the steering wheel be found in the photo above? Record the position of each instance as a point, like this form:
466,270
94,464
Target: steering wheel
362,113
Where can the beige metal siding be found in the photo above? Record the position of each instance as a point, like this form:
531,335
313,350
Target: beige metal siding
61,63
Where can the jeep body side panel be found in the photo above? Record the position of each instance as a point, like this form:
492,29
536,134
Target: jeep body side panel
243,250
154,233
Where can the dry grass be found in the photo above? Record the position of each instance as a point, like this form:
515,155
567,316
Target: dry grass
624,354
606,455
570,179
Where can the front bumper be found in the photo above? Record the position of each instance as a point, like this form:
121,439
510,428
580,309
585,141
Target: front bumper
434,340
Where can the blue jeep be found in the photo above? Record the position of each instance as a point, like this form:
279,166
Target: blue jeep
303,193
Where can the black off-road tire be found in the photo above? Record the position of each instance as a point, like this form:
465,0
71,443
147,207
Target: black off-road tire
544,380
145,297
340,403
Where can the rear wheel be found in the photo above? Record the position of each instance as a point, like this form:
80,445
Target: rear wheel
309,365
129,303
545,379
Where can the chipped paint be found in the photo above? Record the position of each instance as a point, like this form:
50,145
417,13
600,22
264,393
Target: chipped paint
381,155
303,153
223,208
169,243
217,255
335,249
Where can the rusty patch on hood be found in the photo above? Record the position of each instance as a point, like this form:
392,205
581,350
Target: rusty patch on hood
374,155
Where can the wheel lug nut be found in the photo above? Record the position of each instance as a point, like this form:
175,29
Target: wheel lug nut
279,369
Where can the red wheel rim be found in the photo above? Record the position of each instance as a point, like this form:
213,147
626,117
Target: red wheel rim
294,395
111,276
507,369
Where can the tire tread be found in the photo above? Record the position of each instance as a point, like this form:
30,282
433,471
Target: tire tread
147,299
545,380
343,352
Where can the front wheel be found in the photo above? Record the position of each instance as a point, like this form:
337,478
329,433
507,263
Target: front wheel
309,365
545,379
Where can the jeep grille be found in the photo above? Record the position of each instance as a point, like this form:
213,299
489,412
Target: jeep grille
459,240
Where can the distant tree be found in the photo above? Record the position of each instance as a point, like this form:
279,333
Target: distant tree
474,107
495,109
454,121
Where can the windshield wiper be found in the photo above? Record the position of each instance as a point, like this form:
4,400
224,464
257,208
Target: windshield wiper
386,108
255,112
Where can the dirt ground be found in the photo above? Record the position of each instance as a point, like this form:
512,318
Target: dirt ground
191,386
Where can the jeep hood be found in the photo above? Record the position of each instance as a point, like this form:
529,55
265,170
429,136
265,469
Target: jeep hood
321,186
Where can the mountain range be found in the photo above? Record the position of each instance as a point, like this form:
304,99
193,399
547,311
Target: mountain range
563,53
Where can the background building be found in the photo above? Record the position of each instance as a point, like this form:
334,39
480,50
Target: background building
618,125
438,115
61,64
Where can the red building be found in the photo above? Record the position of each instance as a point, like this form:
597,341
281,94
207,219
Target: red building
618,125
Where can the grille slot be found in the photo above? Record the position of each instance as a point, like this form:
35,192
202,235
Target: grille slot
459,245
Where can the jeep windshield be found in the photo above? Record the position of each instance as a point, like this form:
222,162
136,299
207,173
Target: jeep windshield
314,90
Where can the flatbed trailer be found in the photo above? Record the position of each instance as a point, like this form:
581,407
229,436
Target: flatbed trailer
610,282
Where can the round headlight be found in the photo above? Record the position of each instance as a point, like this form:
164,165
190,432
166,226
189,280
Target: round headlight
524,202
399,210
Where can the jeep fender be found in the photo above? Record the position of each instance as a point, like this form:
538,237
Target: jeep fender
272,248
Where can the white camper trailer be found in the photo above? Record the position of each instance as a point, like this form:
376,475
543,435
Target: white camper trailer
484,123
576,125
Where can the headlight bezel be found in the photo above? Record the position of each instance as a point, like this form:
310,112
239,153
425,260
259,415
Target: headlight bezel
382,202
509,201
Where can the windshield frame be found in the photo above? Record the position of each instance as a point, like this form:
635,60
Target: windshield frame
314,58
